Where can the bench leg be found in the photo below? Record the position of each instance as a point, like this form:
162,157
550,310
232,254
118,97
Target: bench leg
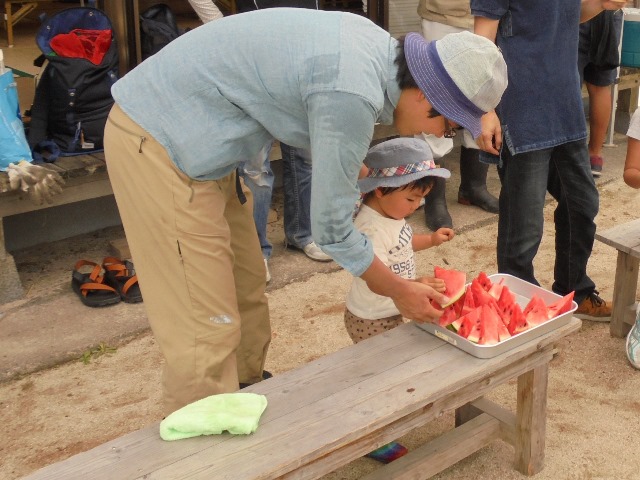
624,294
531,420
10,285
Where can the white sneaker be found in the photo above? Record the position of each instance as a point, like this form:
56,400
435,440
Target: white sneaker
314,253
266,267
633,343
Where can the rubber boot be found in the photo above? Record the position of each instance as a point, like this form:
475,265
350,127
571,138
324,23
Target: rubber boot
436,214
473,181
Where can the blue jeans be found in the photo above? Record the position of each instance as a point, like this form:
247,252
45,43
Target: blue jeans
296,178
258,176
565,172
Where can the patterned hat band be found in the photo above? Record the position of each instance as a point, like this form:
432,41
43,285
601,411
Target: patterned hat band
401,170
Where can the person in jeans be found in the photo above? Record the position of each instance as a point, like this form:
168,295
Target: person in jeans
439,18
296,178
544,147
598,80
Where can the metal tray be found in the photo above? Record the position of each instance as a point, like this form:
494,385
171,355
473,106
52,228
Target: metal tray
523,292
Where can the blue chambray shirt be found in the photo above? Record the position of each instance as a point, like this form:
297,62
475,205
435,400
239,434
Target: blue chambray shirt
542,105
311,79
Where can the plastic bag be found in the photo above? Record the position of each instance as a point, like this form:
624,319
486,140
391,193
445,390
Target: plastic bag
13,142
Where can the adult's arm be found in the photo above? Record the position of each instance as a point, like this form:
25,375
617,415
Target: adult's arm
206,10
591,8
341,129
490,139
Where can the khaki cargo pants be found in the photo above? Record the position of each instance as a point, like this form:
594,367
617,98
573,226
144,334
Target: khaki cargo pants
195,248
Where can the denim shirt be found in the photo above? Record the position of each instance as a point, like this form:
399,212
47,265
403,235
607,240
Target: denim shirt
542,105
311,79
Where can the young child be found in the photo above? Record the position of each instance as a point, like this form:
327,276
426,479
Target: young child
631,177
400,174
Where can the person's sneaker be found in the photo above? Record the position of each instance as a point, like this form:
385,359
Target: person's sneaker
594,308
633,343
596,165
389,452
266,267
314,253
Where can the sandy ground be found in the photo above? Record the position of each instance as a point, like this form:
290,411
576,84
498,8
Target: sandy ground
593,405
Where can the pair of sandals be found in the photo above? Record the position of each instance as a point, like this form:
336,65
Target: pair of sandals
107,284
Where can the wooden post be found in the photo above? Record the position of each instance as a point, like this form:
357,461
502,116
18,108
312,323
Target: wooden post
10,285
624,293
531,420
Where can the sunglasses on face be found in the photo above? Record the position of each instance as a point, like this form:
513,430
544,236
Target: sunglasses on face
449,131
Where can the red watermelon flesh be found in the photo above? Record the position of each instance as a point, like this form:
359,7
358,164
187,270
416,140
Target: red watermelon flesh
496,289
480,295
459,304
454,281
506,299
448,316
469,303
518,322
536,311
489,321
484,280
468,323
560,306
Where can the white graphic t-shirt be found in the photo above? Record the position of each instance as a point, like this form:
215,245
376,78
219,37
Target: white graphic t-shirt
391,240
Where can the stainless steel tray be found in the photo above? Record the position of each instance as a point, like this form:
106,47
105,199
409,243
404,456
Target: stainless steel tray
523,292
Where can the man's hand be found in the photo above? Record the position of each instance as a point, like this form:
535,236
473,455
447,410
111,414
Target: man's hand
490,139
414,302
39,181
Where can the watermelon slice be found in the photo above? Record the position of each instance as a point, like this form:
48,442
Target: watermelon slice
536,311
448,316
489,322
484,280
469,303
560,306
468,323
480,295
496,289
517,323
454,281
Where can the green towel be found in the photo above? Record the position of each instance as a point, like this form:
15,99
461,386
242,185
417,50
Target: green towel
237,413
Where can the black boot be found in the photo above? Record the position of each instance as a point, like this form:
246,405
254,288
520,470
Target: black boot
473,181
436,214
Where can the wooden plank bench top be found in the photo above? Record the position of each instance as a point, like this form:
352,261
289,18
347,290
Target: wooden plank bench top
626,239
336,409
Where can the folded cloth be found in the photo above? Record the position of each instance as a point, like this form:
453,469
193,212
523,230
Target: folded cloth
237,413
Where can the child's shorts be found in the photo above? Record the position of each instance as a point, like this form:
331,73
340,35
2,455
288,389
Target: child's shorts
362,328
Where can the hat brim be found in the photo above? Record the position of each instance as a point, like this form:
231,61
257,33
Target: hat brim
433,80
369,184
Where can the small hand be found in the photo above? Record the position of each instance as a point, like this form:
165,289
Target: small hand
436,283
441,235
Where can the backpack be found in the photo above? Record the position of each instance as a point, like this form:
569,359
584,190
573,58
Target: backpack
73,96
158,27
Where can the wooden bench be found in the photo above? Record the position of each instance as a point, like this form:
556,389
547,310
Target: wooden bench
626,239
336,409
86,178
